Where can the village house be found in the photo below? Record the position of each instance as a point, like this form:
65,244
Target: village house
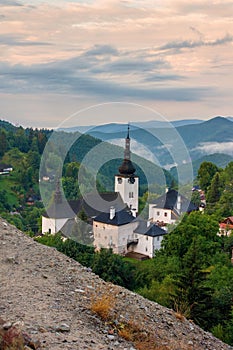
168,208
5,169
226,226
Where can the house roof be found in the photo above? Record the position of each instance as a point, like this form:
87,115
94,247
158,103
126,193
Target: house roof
152,230
5,166
228,220
169,201
122,217
78,231
93,204
62,210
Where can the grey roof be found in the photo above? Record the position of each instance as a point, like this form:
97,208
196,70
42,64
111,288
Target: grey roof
152,230
93,204
122,217
169,201
63,210
5,166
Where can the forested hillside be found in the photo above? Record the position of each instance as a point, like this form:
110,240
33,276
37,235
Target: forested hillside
20,201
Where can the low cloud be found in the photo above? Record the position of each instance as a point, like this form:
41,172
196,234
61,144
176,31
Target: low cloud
138,149
215,147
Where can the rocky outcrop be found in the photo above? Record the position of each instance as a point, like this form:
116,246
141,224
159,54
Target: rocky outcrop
51,297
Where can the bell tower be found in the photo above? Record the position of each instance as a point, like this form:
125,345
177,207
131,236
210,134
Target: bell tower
126,183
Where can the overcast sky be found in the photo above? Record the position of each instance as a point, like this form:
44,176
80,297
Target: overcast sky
60,57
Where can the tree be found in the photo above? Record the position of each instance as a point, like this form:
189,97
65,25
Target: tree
3,142
205,174
112,268
214,194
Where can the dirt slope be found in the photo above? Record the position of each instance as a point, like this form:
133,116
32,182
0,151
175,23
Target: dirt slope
50,296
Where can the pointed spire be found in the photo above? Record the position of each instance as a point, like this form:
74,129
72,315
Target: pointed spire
127,167
127,146
58,194
128,133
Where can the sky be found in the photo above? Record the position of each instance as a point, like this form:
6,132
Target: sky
90,62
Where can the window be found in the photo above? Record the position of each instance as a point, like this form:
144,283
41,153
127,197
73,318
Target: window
165,214
131,195
147,238
119,180
158,213
146,249
158,238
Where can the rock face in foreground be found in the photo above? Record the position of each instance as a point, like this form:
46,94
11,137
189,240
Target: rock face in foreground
50,296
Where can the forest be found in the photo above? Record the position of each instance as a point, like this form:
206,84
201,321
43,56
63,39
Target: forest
192,273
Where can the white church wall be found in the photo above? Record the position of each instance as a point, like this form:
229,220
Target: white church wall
128,191
52,225
144,246
160,214
111,236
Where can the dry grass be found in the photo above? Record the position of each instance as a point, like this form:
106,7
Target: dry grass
103,306
179,316
11,339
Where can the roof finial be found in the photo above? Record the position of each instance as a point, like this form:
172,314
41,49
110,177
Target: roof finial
58,194
128,131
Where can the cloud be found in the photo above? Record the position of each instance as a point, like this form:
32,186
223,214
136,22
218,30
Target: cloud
217,8
75,76
137,148
163,77
5,3
11,40
196,43
215,147
100,50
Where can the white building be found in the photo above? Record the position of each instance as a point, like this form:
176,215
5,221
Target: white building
125,234
168,208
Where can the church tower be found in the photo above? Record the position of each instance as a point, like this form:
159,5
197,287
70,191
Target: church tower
126,183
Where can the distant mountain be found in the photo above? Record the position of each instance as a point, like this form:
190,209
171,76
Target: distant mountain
200,138
219,159
118,127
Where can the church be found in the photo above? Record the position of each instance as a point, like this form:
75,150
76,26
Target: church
113,216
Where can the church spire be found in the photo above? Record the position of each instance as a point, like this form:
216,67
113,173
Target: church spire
127,167
127,146
58,194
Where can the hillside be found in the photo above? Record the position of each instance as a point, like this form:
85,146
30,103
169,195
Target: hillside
219,159
202,138
50,296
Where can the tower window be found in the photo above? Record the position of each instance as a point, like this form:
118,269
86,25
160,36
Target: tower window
131,195
119,179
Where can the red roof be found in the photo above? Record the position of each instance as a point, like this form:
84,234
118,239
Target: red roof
228,221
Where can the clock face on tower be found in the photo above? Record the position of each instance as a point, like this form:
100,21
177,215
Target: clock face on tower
131,180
